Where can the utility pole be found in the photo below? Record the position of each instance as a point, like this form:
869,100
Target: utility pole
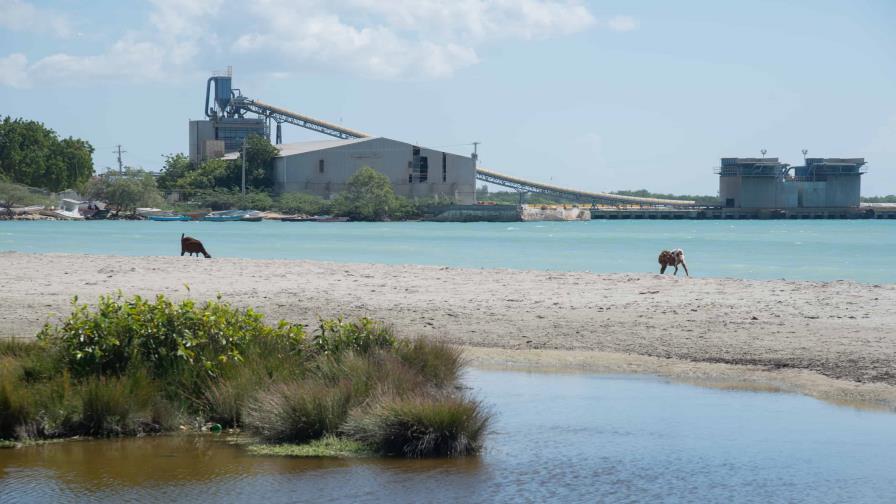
120,152
244,166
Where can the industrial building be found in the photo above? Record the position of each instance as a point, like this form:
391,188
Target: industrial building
771,184
323,167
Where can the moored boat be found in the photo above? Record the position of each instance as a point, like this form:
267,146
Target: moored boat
167,216
234,216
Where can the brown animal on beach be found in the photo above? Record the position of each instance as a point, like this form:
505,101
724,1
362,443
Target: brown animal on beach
674,258
192,246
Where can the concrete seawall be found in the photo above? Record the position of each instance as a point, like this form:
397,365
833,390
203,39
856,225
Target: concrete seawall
506,213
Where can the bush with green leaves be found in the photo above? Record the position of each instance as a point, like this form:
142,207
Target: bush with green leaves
136,365
300,203
362,335
161,335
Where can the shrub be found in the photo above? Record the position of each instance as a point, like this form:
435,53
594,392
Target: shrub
420,425
165,337
299,203
362,335
437,362
297,412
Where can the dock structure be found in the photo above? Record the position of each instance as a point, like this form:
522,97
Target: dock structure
720,213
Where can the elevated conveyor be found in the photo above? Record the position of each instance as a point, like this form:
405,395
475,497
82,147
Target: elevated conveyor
285,116
519,184
242,104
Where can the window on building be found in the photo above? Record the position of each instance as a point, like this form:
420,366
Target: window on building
423,169
410,172
444,167
320,166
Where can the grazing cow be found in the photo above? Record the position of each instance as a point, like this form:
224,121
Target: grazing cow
192,246
674,258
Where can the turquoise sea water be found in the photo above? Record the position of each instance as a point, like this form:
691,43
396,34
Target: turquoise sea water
803,250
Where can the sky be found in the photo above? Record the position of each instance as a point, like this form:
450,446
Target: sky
596,95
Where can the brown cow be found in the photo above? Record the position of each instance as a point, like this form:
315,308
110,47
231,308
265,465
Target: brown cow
675,259
192,246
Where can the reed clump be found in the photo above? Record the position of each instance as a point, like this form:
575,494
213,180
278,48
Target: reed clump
420,425
138,365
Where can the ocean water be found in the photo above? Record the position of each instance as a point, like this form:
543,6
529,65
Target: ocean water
555,438
860,250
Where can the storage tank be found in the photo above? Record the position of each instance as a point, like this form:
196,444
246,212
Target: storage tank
222,91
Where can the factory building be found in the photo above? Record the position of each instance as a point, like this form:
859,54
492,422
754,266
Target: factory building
323,167
769,183
226,126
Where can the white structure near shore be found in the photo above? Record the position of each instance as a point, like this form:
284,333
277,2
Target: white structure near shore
323,167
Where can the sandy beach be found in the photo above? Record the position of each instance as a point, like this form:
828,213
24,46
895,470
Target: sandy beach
832,340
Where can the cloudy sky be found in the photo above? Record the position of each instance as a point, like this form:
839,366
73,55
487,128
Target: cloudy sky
600,95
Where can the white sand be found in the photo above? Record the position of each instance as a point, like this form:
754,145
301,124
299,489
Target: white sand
834,340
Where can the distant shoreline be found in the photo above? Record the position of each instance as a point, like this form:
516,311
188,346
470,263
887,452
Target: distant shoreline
832,340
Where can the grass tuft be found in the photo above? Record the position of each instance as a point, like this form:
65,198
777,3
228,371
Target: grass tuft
299,411
435,425
437,362
15,406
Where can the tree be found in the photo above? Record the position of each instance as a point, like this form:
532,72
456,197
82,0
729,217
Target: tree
299,203
177,166
212,174
33,155
368,196
227,199
260,154
126,192
13,195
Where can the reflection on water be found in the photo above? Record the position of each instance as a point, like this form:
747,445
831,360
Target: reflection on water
556,438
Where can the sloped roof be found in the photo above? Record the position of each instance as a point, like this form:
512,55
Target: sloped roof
303,147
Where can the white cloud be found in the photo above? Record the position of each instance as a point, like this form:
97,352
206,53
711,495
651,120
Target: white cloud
14,71
381,39
22,16
482,19
622,23
402,38
177,30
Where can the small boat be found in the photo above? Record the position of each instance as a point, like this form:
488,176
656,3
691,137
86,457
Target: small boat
224,216
167,216
234,216
296,218
253,216
68,210
97,214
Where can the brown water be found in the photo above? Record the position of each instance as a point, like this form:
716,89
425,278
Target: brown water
557,438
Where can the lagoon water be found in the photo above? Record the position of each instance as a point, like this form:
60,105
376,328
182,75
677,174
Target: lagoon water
860,250
557,438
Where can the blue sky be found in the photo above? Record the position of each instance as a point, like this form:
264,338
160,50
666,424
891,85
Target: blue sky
597,95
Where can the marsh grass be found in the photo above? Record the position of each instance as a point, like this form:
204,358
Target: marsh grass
135,366
420,426
299,411
437,362
327,446
15,406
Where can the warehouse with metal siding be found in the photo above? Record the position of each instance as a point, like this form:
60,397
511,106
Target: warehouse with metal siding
323,167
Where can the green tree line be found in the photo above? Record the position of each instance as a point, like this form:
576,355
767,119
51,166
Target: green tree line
33,155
